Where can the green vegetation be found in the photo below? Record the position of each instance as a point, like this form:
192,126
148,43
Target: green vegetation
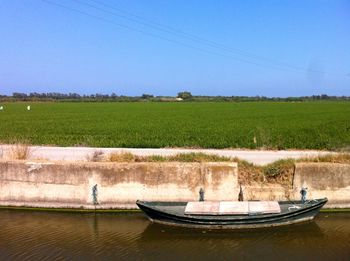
185,95
278,172
273,125
330,158
181,157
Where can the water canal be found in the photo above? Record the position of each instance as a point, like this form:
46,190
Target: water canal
27,235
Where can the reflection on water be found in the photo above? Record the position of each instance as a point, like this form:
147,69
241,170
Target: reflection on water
45,235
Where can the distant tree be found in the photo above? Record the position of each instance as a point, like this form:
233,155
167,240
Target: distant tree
19,95
114,95
324,97
147,96
73,95
184,95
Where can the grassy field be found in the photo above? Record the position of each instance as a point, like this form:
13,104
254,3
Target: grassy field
282,125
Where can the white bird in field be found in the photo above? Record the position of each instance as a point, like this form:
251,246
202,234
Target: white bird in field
28,108
1,108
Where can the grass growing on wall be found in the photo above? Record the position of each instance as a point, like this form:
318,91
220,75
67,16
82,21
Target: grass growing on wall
181,157
279,172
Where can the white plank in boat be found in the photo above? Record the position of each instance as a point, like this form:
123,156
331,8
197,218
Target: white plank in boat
202,208
217,208
264,207
233,208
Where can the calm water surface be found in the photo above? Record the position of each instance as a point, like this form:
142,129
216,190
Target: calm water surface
49,236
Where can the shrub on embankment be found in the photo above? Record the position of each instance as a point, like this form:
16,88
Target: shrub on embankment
181,157
280,172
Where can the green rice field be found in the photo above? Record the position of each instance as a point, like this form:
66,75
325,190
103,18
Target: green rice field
273,125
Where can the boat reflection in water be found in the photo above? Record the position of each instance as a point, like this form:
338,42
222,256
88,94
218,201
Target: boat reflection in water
273,243
48,235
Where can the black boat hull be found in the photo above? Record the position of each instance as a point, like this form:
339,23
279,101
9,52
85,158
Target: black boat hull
171,213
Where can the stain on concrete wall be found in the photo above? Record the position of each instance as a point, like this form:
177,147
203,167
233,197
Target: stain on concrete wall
331,180
322,176
64,184
119,185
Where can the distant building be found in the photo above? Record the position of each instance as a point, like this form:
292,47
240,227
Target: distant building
169,99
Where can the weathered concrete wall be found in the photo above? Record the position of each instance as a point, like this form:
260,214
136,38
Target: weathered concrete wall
64,184
268,192
329,180
119,184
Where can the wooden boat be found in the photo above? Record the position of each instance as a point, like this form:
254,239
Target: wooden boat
231,214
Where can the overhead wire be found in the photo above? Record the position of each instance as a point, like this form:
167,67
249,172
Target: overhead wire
171,30
157,36
139,20
191,37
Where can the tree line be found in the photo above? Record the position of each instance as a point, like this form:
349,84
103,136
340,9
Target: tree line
181,96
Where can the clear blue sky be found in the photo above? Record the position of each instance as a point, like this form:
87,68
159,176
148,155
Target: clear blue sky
272,48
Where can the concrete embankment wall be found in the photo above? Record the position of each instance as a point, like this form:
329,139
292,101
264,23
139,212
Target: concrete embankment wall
119,185
329,180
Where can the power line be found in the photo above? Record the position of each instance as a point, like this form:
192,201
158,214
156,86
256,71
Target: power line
168,29
178,33
155,35
191,37
171,30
